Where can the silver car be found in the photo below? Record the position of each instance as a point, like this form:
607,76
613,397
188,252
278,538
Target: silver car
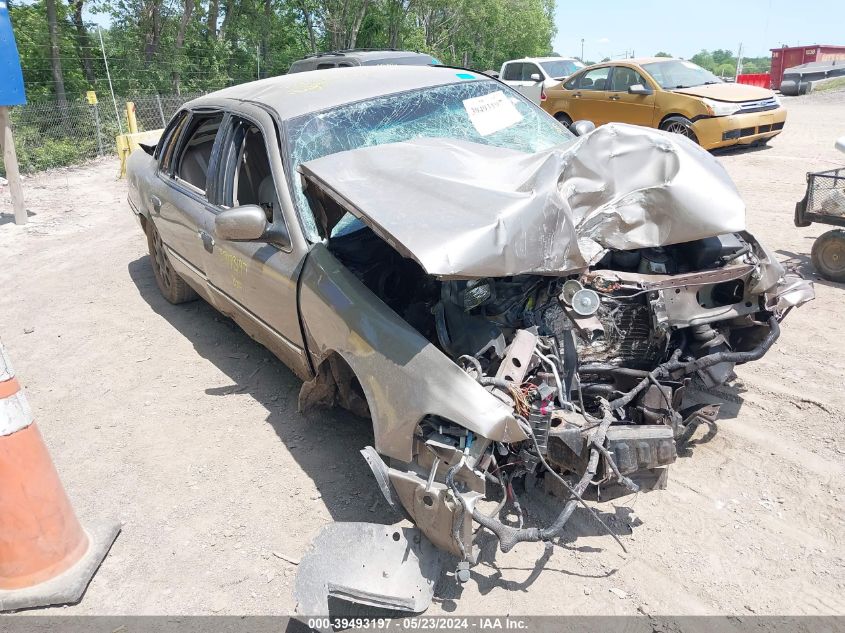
426,247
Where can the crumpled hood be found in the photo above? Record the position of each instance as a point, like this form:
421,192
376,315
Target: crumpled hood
467,210
731,92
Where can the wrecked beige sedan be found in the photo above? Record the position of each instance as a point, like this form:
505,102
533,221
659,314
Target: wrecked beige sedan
425,247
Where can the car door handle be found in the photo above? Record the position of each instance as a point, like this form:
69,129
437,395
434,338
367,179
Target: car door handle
577,95
614,97
156,202
207,240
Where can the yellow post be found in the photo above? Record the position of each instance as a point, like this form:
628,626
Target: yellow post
128,143
130,117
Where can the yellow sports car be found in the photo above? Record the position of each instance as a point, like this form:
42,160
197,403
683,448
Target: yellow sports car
670,94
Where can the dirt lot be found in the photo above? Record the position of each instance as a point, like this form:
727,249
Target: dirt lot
173,421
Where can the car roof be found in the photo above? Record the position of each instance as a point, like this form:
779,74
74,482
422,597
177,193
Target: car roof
312,91
649,60
544,59
367,54
636,61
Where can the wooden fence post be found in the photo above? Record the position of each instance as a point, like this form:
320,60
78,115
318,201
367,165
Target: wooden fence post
10,160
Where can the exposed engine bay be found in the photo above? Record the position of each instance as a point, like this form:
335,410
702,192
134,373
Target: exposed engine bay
594,364
553,311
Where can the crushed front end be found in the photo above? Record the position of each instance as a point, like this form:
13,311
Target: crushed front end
583,289
594,366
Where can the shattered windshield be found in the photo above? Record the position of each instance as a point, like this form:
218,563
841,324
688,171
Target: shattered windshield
677,73
476,111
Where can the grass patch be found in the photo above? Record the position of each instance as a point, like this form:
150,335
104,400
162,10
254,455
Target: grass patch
837,83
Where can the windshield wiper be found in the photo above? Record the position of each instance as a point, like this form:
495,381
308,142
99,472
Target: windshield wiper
706,83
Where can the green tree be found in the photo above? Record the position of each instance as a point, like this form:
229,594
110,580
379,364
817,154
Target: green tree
183,46
704,59
662,54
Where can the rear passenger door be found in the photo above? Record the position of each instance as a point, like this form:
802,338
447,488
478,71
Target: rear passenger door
179,202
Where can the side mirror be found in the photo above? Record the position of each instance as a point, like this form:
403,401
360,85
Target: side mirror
241,224
840,144
536,77
639,89
580,128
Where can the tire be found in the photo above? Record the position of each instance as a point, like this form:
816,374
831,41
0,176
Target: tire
679,125
563,119
828,255
172,286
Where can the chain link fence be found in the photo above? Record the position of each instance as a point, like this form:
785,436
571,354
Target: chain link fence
49,134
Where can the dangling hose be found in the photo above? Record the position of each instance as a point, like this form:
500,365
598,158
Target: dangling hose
509,536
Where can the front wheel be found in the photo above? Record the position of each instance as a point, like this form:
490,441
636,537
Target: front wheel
679,125
563,119
171,285
828,255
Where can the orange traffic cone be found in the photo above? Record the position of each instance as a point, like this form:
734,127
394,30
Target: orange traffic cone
46,557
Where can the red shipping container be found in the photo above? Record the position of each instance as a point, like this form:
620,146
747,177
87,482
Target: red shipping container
789,56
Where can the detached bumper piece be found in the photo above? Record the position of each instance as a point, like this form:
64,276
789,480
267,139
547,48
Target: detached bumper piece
351,566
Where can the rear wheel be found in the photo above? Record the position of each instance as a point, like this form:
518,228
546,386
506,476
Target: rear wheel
829,255
563,119
679,125
172,286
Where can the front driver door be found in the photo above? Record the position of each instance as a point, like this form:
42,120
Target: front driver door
255,282
530,86
637,109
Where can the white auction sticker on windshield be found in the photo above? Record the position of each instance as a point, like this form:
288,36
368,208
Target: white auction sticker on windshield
492,112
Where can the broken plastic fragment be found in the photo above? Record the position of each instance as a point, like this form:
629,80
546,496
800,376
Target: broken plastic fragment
382,566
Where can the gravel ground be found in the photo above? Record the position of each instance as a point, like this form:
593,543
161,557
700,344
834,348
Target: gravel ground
173,421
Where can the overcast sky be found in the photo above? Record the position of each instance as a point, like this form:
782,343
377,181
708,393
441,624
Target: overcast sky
610,27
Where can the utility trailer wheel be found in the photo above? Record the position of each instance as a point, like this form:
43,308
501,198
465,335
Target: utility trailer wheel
828,255
171,285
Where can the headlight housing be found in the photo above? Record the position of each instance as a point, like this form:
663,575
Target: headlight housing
720,108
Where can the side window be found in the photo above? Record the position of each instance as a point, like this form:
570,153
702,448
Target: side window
195,153
528,70
513,72
247,177
573,82
169,138
624,77
324,65
594,79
